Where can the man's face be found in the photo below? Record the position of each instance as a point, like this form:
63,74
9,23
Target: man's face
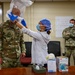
72,22
42,26
16,11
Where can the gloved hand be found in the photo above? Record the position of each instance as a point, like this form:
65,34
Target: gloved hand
23,22
12,17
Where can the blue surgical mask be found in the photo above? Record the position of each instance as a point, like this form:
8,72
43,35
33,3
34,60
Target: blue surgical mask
38,27
71,25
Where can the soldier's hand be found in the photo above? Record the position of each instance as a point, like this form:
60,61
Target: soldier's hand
67,33
23,54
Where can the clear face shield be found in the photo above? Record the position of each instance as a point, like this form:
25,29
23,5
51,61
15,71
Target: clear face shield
21,5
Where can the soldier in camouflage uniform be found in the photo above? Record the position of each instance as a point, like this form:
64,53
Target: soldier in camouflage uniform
11,44
69,36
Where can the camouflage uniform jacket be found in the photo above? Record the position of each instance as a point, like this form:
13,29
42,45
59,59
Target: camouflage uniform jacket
11,40
69,36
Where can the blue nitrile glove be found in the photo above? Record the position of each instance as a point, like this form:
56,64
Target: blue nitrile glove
23,22
12,17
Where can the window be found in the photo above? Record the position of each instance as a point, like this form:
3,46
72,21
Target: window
1,12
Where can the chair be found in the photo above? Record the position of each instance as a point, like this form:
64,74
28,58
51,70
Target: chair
54,47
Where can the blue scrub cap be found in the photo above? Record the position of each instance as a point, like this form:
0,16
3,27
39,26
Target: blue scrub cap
46,23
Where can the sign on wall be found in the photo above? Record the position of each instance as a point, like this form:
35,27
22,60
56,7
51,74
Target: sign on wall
61,23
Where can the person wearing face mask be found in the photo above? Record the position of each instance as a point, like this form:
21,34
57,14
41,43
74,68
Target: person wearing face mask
40,40
69,36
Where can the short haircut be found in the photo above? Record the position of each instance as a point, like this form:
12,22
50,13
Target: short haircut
72,20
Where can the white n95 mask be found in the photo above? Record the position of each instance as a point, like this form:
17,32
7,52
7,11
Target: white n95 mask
71,25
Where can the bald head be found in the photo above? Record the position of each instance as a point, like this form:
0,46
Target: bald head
16,11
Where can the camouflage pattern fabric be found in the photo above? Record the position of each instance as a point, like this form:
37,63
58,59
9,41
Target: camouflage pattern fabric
8,63
11,43
69,36
68,52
